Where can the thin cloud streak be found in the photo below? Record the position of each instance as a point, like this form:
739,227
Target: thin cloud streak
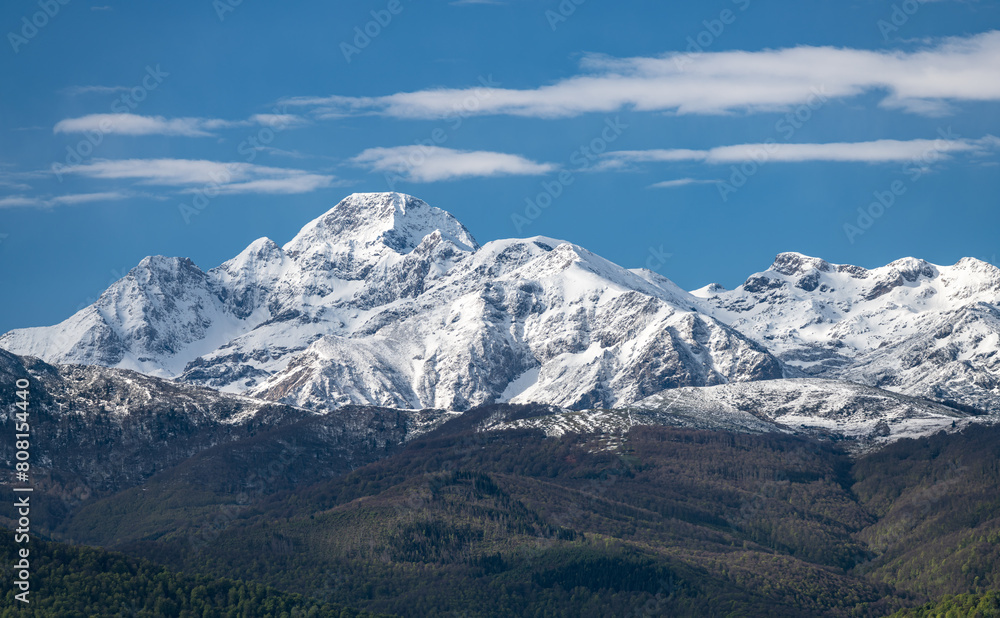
878,151
295,183
15,201
681,182
81,90
192,174
136,125
433,163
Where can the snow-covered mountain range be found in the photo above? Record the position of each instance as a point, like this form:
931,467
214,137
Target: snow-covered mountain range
385,300
910,327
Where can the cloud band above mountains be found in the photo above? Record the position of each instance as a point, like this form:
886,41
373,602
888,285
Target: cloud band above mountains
433,163
224,178
921,151
925,81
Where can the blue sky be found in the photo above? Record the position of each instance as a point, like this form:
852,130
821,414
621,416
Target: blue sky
696,138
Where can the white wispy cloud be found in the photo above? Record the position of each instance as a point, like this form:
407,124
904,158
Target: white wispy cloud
13,184
80,90
279,120
103,196
64,200
17,180
433,163
12,201
193,174
879,151
681,182
292,154
136,125
925,81
133,124
293,183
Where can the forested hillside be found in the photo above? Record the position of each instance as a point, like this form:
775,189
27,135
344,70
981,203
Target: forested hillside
665,520
83,582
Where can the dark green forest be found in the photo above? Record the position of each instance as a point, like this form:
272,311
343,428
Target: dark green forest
958,606
665,521
83,582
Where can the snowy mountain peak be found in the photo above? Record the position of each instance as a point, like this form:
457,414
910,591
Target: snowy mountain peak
912,269
159,266
395,220
245,281
263,246
708,291
972,264
972,280
792,263
259,254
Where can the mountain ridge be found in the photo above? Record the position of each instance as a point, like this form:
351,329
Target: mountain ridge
910,326
386,300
